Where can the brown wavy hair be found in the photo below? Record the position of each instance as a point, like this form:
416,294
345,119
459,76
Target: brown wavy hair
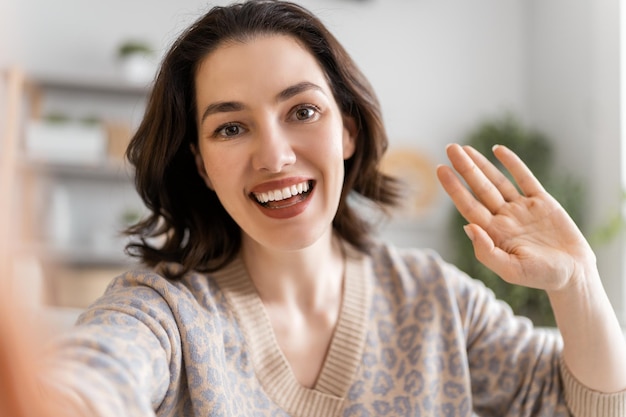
193,227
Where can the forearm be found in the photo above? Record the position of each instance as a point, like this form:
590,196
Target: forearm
594,346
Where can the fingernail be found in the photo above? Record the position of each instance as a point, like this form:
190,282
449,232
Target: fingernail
494,147
468,232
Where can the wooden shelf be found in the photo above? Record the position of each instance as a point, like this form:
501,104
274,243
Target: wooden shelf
99,86
107,169
80,257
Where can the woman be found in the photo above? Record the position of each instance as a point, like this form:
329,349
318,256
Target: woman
264,294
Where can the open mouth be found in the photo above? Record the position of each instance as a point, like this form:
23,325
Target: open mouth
284,197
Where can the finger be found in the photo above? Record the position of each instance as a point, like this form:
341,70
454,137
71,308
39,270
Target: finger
497,178
483,188
470,208
523,176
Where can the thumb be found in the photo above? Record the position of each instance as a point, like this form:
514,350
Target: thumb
486,251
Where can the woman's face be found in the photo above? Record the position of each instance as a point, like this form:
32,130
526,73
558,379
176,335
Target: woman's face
272,140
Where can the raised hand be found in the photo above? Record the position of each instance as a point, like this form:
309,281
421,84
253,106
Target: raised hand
524,235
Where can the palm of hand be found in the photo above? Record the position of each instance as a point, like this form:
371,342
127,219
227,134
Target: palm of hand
526,238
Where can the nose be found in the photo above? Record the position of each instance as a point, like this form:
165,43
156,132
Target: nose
273,150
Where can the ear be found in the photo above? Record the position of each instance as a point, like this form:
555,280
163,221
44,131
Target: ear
350,133
200,166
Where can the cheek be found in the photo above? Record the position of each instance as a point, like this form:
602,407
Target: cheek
327,144
219,176
214,169
225,168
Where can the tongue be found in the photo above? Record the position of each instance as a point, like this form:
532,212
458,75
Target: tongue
288,202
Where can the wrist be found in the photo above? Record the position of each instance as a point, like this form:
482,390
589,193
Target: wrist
583,281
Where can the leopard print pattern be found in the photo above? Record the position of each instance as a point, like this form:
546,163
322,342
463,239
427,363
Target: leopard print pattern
437,344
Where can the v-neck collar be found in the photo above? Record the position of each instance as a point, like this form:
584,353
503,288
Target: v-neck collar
271,367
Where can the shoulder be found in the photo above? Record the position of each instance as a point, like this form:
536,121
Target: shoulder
155,282
149,291
142,284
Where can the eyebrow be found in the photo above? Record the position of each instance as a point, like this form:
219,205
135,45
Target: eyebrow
221,107
296,89
232,106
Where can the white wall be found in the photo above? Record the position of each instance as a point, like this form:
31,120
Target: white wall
606,175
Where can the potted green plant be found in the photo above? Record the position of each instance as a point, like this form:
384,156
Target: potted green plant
536,150
138,61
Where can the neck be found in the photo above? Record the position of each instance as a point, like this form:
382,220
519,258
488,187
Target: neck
306,278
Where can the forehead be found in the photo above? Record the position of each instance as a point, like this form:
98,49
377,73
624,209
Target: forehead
263,64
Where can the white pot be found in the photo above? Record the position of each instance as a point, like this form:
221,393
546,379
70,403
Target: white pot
138,68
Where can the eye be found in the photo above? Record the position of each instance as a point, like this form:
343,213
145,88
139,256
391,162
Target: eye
305,113
229,130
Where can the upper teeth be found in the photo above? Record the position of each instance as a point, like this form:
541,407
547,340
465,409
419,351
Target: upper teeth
281,194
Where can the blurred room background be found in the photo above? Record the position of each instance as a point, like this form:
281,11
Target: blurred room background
443,71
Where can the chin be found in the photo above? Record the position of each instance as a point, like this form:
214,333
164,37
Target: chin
293,240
